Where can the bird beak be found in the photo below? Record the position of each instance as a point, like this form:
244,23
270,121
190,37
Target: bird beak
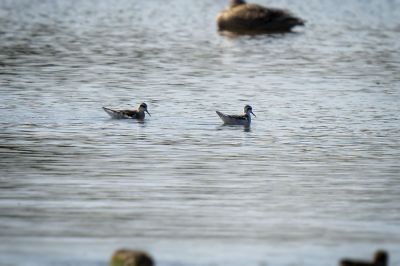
253,114
148,112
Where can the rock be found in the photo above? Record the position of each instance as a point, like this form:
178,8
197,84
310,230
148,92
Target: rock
243,18
125,257
381,258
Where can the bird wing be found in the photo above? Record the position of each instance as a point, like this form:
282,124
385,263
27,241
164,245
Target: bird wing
231,118
237,117
129,113
120,114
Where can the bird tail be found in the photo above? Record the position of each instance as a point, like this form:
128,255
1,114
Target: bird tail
222,116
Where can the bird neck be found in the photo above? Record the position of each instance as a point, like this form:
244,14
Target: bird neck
140,114
248,116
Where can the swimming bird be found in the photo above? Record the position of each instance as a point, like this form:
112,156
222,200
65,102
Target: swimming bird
244,119
139,113
381,259
243,18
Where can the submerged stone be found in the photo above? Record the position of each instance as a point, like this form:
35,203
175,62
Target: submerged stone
125,257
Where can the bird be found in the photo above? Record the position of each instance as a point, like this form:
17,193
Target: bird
242,18
139,113
244,119
381,258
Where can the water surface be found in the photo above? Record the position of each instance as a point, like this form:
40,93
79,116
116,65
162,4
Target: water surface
314,180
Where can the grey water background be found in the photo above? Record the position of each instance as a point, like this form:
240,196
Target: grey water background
314,180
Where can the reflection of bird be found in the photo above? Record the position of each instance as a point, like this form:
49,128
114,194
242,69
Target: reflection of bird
135,114
243,18
380,259
244,119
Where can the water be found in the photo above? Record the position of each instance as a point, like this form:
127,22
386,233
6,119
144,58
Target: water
314,180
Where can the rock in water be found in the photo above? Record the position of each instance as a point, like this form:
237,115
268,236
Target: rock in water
125,257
